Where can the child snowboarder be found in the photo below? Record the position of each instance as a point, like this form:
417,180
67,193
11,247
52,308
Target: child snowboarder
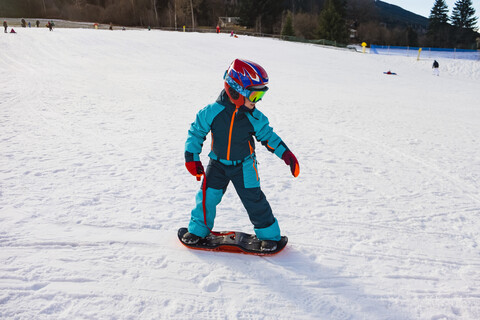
233,122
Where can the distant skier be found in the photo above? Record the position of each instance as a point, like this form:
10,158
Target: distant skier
37,23
435,68
218,28
5,25
235,123
50,25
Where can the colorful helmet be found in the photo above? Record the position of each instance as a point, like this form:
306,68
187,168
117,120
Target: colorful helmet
245,79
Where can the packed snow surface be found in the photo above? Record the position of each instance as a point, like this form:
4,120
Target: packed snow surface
383,221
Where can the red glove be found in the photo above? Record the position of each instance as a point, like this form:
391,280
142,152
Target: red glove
291,161
195,168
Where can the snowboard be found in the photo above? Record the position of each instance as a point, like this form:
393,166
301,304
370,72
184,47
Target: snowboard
236,242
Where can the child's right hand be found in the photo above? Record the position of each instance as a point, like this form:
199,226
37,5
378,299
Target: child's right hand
195,168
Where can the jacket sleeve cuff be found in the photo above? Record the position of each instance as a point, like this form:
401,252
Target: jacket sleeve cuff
280,150
191,156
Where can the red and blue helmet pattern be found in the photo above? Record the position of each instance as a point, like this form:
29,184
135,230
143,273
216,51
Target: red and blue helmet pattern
247,73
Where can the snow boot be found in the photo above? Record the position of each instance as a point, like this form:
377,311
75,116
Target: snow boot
268,245
190,238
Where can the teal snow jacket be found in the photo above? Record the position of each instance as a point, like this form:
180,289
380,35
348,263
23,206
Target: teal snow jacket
233,129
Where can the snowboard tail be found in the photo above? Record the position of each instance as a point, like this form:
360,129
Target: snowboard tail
236,242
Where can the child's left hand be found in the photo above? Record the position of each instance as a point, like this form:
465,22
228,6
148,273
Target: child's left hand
291,161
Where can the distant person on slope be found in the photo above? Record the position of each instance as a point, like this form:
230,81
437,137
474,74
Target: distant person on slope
435,66
5,25
234,122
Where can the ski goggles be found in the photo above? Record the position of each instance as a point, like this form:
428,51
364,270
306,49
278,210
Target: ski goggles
253,94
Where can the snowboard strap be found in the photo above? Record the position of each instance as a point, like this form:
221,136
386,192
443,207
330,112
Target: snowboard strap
204,196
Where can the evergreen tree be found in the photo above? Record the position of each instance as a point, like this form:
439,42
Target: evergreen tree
438,14
288,26
439,30
261,14
412,37
247,13
332,24
464,20
463,15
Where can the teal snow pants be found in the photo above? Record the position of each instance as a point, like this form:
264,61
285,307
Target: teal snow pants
245,179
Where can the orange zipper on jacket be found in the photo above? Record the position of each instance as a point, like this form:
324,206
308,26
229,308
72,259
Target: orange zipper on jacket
255,168
251,152
230,133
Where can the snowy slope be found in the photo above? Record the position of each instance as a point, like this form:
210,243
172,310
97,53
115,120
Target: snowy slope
383,221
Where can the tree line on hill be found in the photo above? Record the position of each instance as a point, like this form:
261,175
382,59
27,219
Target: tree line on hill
458,30
343,21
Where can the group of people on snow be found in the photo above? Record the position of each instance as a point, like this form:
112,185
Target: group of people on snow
24,24
232,33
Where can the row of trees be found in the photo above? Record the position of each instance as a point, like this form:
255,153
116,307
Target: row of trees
341,19
336,20
347,21
455,31
266,16
154,13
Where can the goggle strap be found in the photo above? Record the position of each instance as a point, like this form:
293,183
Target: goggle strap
235,85
252,95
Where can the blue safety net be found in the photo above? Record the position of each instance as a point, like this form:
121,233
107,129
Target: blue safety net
426,52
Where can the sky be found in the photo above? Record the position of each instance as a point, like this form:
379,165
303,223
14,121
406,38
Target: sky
423,7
